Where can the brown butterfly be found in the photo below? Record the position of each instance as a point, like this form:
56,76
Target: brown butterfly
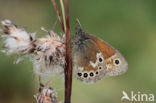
94,58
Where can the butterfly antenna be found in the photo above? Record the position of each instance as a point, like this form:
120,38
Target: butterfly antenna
78,27
78,23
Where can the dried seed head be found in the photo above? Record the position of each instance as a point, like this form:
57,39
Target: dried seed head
50,54
46,95
16,40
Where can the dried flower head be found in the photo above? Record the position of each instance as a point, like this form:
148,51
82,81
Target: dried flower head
46,95
17,41
50,54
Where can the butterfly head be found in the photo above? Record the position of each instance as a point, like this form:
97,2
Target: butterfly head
79,36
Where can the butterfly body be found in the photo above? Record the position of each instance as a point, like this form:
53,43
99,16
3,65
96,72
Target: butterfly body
94,59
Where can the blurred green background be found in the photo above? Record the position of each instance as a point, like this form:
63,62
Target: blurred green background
128,25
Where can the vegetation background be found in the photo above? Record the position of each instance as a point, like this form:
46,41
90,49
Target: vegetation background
128,25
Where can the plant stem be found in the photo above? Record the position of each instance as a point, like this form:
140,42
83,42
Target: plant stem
58,14
63,14
68,67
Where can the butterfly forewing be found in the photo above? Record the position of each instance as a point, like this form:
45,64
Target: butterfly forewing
89,63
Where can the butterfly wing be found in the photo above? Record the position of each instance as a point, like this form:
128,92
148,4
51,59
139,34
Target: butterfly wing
89,63
115,62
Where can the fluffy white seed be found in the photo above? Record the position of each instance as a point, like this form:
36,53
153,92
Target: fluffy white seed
50,55
17,41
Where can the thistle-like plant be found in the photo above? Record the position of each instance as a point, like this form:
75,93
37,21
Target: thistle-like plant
50,55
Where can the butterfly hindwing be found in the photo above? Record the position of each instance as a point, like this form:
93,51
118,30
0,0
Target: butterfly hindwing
115,62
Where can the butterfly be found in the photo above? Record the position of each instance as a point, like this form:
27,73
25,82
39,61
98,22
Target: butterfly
93,58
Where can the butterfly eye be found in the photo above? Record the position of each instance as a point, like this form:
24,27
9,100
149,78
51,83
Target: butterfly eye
117,61
100,59
79,74
91,74
85,75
